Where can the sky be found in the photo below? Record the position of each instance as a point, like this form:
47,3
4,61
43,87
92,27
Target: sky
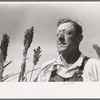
16,18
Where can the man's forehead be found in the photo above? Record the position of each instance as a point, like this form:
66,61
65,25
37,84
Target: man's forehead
68,26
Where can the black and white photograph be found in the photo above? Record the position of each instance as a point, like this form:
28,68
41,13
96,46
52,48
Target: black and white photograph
50,42
37,44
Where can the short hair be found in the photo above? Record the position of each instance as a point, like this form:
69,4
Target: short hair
78,27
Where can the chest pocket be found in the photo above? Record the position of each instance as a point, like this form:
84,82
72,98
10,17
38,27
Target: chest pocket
76,76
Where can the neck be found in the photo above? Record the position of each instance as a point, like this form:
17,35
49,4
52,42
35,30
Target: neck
71,57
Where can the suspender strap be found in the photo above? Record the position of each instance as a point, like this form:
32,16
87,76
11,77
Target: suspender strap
83,63
55,77
54,71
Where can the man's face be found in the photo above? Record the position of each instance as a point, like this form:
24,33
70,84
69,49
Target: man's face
67,40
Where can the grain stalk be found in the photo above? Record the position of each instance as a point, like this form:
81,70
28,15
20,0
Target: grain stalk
97,49
36,57
17,74
3,55
28,38
1,65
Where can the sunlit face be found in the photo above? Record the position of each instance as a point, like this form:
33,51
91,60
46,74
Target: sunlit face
67,40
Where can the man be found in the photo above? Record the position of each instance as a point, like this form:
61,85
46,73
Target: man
71,64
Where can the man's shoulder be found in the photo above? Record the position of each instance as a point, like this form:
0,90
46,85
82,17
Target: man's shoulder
93,62
48,63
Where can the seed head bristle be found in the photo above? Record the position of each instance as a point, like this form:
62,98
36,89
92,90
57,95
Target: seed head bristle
36,55
28,37
4,45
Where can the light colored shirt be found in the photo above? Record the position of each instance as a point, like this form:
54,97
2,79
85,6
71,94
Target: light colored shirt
91,70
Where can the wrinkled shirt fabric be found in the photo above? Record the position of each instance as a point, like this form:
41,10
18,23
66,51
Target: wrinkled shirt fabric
91,70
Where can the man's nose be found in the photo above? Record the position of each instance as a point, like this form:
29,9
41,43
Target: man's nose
61,37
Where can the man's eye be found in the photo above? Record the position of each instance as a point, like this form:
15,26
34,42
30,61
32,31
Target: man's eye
67,33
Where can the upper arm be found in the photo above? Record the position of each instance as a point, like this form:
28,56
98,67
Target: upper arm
92,70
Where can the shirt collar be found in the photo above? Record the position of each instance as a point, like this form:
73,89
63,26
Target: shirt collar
61,61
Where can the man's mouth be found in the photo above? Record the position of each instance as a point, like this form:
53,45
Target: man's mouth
62,43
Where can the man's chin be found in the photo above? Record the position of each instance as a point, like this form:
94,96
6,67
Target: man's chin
61,50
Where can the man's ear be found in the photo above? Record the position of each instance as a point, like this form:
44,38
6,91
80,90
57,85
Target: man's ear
80,37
